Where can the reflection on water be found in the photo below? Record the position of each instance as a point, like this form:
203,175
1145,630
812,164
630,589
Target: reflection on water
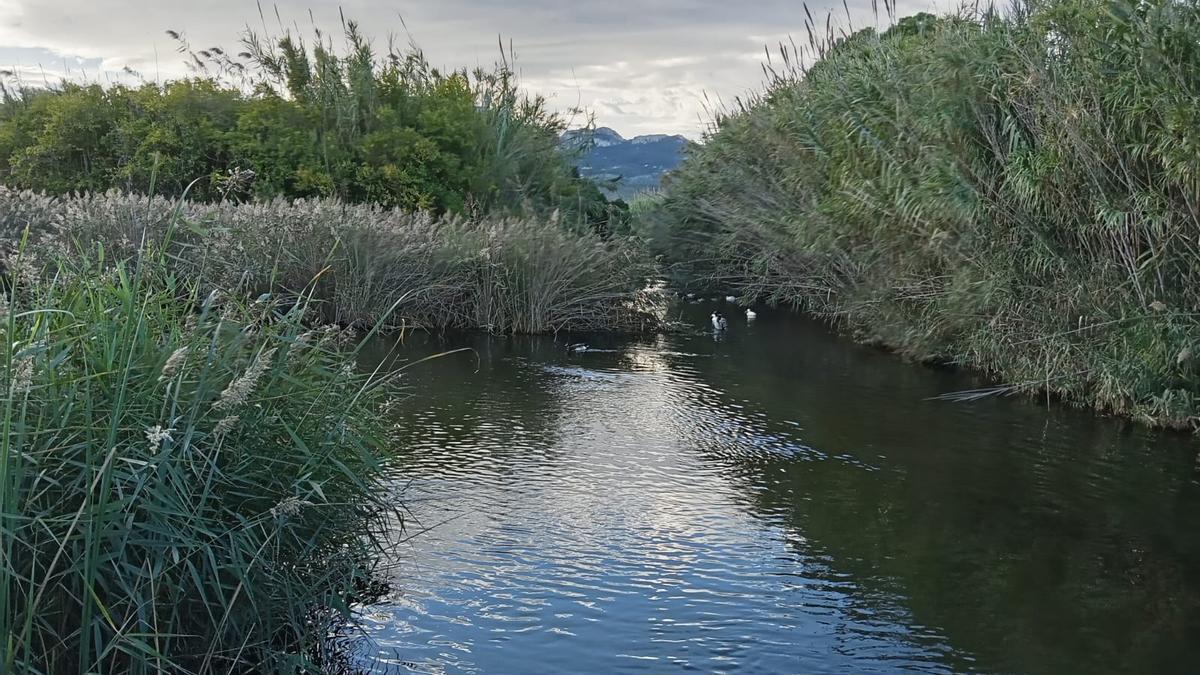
775,501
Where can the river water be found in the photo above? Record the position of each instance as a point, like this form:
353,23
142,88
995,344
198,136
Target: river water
774,499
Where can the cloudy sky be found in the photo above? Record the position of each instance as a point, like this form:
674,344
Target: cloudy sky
640,66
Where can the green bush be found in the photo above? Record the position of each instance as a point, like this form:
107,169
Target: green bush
187,483
1014,193
282,119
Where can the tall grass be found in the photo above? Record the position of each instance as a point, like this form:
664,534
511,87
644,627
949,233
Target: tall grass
504,275
1014,192
188,482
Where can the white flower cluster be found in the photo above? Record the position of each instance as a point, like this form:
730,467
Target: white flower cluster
22,371
239,390
174,364
225,426
22,375
156,434
290,506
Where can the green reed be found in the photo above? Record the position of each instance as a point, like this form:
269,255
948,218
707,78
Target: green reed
1015,192
361,263
189,482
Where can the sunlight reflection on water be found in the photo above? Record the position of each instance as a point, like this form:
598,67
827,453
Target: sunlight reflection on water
776,502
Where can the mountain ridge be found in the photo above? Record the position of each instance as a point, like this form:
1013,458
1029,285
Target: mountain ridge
636,164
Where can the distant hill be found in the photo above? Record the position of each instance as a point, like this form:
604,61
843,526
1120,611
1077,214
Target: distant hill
639,162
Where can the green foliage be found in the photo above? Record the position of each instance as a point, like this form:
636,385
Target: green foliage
293,121
1017,194
187,483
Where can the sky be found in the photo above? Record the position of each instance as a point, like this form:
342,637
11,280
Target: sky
640,67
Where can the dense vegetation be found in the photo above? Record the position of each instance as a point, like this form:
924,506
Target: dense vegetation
191,477
188,483
375,177
283,119
363,265
1018,193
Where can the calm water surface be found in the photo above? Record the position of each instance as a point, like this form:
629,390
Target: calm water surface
774,501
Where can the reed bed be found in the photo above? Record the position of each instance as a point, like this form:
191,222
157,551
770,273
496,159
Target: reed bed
365,262
1016,192
188,482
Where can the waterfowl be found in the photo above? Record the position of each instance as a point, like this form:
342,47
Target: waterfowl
751,314
719,322
577,348
731,298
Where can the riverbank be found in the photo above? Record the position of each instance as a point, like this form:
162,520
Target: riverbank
191,469
1013,194
189,482
363,265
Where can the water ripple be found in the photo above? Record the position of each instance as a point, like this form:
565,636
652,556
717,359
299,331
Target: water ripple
744,506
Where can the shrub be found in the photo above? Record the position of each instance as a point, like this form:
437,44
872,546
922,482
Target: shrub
282,119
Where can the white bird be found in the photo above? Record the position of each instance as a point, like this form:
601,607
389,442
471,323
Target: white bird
719,322
577,349
731,298
751,314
